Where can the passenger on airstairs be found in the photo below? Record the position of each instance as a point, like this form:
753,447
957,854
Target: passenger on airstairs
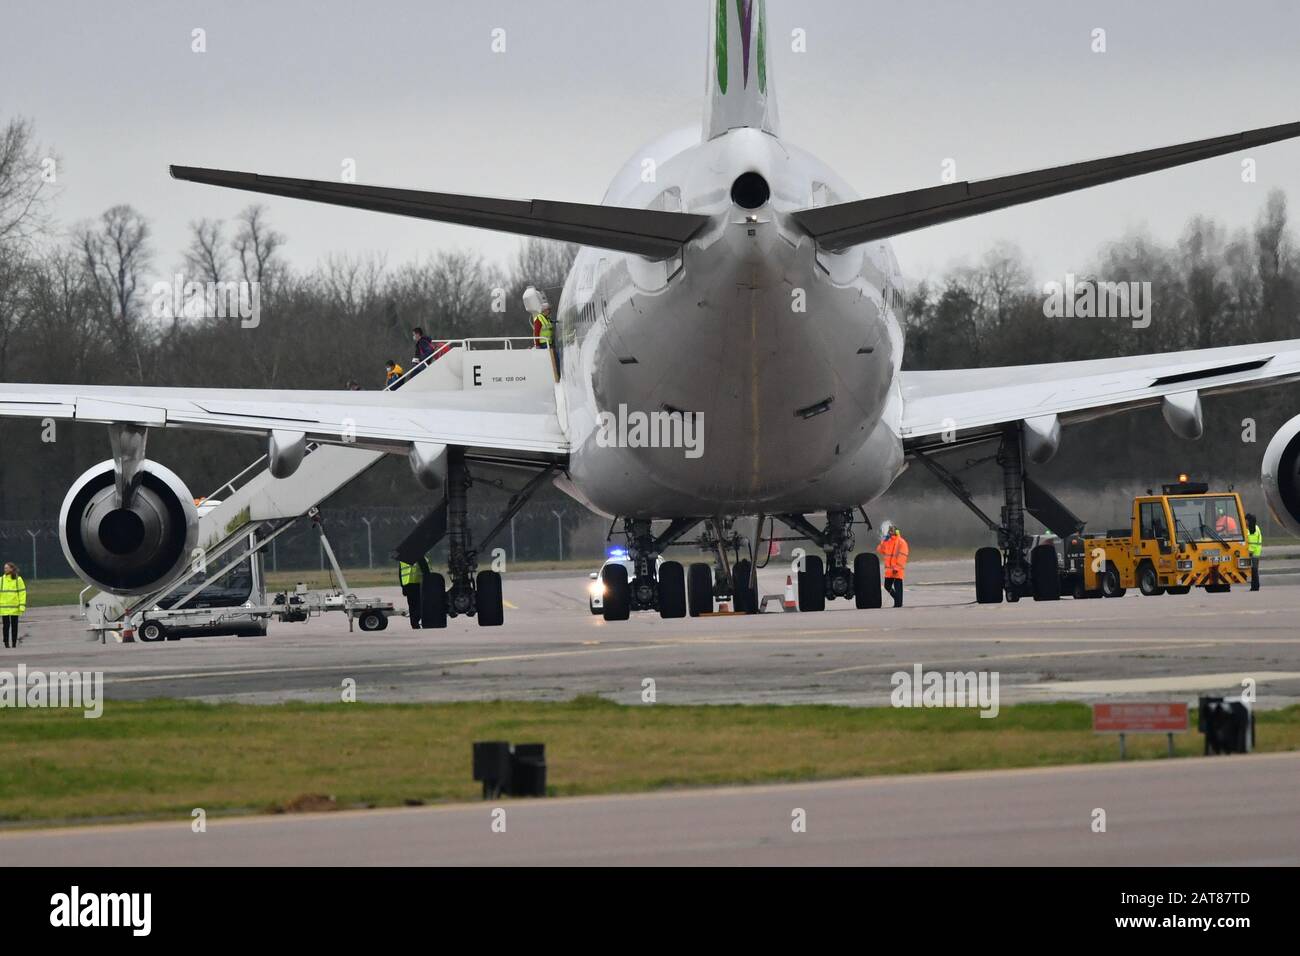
394,374
427,348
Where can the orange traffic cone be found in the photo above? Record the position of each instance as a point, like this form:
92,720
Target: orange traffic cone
789,603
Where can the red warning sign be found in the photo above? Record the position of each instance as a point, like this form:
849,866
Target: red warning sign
1153,718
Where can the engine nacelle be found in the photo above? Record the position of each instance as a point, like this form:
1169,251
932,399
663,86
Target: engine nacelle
1280,475
129,550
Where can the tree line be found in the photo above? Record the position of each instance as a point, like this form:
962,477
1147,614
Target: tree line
77,306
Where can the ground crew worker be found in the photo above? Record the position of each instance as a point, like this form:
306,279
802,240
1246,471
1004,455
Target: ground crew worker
393,373
13,602
893,548
1255,541
540,310
410,576
1225,523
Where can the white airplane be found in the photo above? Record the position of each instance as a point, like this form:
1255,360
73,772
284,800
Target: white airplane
743,288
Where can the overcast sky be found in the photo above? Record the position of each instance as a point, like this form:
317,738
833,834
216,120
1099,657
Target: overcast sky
412,91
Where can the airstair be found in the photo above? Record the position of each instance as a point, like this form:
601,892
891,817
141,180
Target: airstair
245,514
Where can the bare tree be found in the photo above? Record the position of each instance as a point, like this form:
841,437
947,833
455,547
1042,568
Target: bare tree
207,258
116,255
256,245
24,187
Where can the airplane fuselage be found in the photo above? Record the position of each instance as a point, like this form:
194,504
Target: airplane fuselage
785,355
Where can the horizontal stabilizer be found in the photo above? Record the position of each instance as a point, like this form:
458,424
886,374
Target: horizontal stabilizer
868,220
645,232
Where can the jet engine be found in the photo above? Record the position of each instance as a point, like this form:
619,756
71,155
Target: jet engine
1281,475
129,549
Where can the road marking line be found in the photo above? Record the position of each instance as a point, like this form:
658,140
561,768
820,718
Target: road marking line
1008,657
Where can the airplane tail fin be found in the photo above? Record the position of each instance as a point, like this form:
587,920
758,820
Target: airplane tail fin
739,85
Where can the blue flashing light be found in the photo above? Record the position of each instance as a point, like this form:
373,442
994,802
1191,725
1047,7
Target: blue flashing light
617,553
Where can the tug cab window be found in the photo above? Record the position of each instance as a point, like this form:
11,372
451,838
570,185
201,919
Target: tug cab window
1151,517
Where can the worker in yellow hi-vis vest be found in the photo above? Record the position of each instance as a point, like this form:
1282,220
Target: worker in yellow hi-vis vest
13,602
410,576
1255,542
542,324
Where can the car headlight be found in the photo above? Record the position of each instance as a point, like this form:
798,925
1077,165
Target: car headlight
596,589
1184,565
1243,562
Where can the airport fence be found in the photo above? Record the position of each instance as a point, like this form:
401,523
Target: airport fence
554,528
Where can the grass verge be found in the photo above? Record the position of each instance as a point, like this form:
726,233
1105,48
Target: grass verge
162,758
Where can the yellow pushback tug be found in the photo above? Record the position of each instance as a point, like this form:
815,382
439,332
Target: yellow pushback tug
1184,538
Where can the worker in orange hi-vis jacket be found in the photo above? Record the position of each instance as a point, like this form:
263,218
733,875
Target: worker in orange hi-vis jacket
893,548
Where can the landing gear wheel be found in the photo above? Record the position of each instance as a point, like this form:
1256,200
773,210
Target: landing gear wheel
1110,586
370,620
988,576
672,590
866,581
1178,589
618,595
433,601
1044,574
812,585
1149,581
745,587
151,632
491,607
700,590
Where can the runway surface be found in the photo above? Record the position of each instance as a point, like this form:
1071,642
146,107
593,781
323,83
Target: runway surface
552,648
1156,813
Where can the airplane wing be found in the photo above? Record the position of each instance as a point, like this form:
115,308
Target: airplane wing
656,234
841,225
946,408
494,424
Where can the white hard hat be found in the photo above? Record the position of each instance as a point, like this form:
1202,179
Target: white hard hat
534,299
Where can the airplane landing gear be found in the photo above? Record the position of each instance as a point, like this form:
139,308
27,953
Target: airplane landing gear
653,584
1014,569
835,577
472,593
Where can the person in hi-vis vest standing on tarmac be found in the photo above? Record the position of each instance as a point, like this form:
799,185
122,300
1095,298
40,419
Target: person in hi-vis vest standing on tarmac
13,602
542,324
1255,542
410,576
893,548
